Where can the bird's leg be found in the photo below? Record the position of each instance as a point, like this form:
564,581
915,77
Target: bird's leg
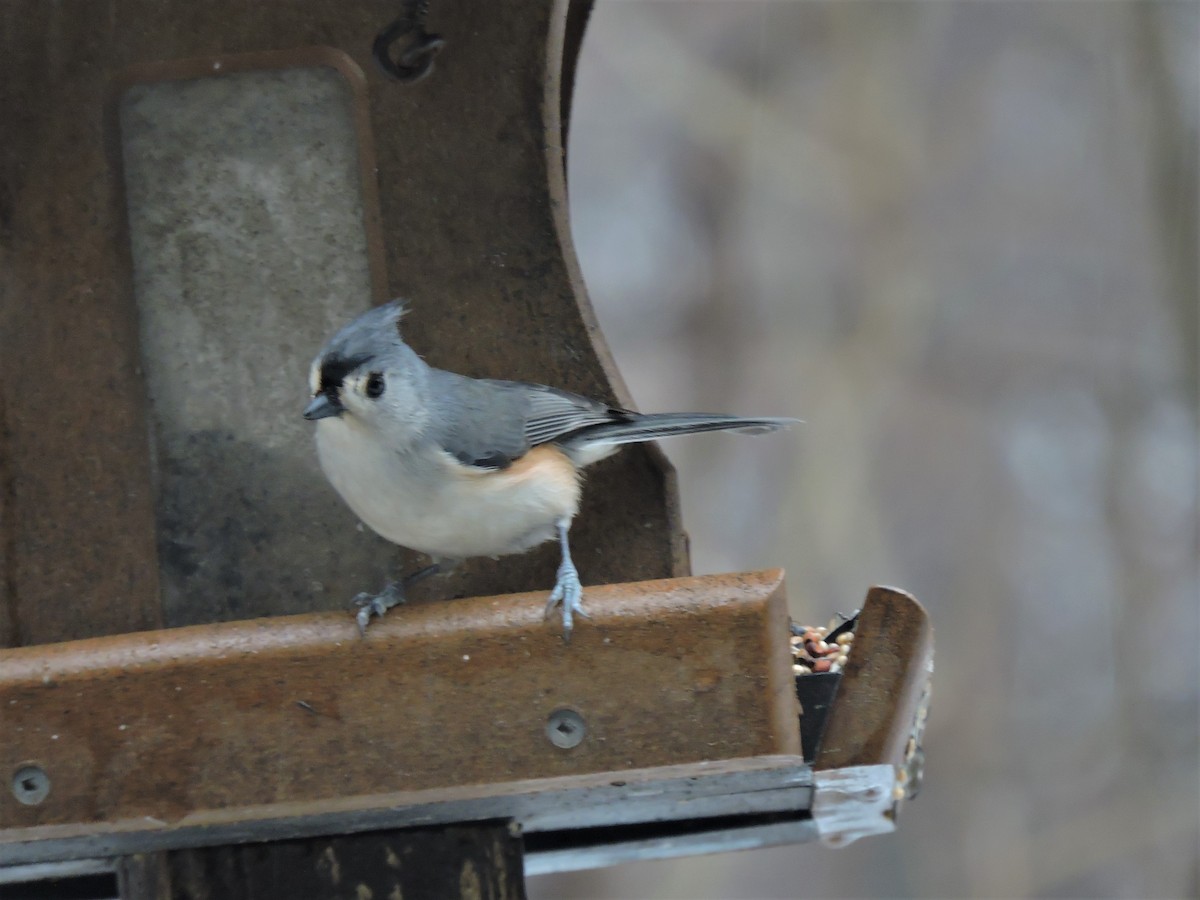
392,595
567,589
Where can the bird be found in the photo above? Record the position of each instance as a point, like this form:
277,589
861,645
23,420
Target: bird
456,467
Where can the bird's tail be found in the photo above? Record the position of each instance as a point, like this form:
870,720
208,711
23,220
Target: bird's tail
653,426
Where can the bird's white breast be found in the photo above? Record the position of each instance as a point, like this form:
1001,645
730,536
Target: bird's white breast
422,498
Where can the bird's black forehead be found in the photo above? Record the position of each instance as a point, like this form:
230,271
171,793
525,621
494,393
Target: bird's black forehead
335,367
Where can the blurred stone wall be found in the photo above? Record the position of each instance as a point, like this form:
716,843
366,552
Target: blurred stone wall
959,240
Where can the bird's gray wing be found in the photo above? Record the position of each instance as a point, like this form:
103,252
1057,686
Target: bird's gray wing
554,414
489,424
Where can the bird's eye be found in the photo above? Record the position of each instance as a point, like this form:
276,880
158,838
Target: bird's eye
375,385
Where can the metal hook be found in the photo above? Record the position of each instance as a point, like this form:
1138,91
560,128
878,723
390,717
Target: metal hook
415,61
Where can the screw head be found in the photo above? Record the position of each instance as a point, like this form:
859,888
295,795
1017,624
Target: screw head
30,785
565,728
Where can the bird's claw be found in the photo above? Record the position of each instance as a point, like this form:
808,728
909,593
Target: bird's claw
568,592
376,605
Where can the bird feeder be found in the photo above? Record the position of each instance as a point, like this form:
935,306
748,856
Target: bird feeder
192,196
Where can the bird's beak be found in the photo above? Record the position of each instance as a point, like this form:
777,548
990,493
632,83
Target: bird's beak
321,407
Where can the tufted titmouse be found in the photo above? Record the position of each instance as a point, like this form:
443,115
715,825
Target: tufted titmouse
454,467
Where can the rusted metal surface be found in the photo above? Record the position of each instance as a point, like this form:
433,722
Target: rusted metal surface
472,203
79,517
882,685
579,12
575,821
242,720
869,757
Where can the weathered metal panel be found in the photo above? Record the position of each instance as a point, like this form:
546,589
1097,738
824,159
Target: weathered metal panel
247,721
878,706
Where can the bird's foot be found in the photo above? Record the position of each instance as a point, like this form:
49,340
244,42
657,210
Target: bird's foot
377,604
568,591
